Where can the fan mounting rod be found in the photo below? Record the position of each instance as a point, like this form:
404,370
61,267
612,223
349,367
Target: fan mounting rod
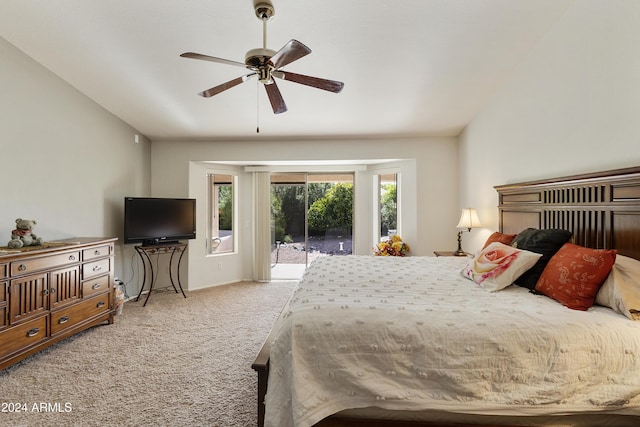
257,59
264,12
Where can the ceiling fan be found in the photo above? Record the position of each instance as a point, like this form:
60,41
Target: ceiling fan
266,64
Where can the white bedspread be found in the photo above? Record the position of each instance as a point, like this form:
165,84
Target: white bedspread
412,333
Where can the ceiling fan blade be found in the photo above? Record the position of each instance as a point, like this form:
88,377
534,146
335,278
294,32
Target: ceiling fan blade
224,86
324,84
202,57
275,97
290,52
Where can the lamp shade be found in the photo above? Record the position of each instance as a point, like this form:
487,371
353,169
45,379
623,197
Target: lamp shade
469,219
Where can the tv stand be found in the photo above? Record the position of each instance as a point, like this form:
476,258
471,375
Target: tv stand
144,251
157,242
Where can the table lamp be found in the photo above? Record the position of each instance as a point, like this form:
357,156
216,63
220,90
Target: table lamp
468,219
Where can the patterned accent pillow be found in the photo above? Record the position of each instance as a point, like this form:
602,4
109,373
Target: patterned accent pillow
546,242
498,265
574,275
499,237
621,290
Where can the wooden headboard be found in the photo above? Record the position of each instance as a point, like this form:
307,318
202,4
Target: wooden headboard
602,210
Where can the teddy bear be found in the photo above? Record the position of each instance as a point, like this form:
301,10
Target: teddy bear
23,235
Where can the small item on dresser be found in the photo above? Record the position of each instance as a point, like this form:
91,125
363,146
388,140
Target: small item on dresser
23,234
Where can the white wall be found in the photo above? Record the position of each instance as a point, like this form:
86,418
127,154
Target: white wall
571,107
430,163
204,269
66,162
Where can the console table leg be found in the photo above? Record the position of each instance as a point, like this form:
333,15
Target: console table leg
180,262
153,279
143,255
173,252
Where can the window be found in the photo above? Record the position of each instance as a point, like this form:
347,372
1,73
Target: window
221,223
387,205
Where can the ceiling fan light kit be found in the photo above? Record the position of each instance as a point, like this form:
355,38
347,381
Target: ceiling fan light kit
266,63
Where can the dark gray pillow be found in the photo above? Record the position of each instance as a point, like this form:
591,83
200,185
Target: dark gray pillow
545,242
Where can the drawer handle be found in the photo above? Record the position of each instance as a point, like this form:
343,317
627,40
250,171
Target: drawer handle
96,286
33,332
45,292
72,257
22,267
97,268
63,319
52,290
100,304
96,252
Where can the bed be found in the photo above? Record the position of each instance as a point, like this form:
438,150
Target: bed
406,341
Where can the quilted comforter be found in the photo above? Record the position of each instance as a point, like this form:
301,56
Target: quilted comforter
412,333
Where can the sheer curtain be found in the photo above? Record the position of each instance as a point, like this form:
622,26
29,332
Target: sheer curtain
262,226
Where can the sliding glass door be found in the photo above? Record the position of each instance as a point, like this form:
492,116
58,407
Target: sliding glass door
288,219
311,216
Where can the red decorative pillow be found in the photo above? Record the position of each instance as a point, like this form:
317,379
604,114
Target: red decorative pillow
574,275
505,239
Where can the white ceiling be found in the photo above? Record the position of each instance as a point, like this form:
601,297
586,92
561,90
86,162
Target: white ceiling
410,67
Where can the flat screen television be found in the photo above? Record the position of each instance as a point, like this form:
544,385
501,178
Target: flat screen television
154,221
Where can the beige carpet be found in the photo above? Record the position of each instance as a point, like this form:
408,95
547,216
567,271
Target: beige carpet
175,362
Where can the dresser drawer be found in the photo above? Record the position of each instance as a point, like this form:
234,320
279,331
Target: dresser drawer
43,263
96,268
95,286
3,305
68,317
3,316
23,336
97,252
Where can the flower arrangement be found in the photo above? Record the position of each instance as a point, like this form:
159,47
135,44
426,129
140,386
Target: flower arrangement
391,247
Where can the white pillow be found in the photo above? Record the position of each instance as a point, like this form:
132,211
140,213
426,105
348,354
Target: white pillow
621,289
498,265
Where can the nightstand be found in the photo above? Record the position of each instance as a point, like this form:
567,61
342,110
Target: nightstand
448,253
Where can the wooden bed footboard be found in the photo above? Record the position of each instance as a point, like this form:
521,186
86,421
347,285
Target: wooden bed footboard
261,366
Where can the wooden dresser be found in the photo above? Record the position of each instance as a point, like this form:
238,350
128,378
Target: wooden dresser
50,293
